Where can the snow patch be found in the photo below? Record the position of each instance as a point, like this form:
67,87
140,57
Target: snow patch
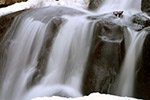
93,96
43,3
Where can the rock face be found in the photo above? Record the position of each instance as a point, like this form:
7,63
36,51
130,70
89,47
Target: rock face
5,23
94,4
140,21
13,1
4,3
107,54
105,58
145,6
142,88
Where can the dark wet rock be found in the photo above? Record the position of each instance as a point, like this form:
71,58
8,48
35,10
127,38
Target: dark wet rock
118,13
52,29
145,6
140,21
94,4
105,57
4,3
142,85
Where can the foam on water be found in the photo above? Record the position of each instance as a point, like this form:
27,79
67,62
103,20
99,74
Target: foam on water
131,6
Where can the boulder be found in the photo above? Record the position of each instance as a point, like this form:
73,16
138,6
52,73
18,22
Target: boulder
142,88
145,6
94,4
105,58
140,21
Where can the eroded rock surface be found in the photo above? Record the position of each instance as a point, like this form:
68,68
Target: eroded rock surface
142,88
145,6
105,58
140,21
94,4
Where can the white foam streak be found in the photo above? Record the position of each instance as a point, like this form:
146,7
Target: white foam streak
20,64
67,61
127,76
69,54
120,5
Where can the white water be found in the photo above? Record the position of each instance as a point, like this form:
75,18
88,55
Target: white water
69,54
66,61
131,6
70,45
127,75
18,67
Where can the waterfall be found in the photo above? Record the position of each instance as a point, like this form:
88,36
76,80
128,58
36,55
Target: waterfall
21,58
68,55
67,61
118,5
66,64
127,74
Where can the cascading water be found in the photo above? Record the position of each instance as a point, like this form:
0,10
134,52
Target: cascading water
117,5
127,75
74,44
66,62
68,55
22,58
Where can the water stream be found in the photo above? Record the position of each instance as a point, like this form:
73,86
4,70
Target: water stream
68,56
127,74
67,60
21,63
